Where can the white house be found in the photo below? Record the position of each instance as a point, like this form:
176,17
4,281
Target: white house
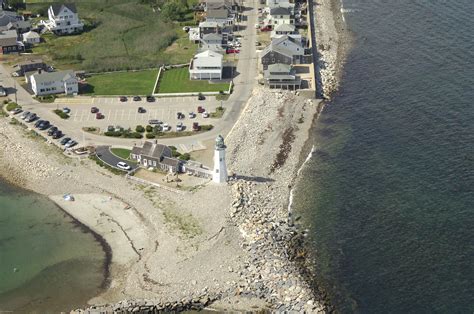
206,65
281,15
279,3
31,38
46,83
63,19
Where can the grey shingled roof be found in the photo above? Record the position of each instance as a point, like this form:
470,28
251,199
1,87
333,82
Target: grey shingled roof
153,150
218,13
173,162
284,28
7,17
279,68
53,76
58,7
212,36
280,11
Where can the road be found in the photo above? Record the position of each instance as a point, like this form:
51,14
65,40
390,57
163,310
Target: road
244,81
104,154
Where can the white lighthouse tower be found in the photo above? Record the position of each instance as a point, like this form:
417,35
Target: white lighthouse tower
220,169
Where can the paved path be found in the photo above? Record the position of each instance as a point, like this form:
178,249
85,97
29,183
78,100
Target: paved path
244,83
104,154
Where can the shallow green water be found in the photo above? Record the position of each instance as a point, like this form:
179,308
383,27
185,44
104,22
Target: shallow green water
47,261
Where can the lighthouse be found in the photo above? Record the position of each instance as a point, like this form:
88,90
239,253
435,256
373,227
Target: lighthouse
219,174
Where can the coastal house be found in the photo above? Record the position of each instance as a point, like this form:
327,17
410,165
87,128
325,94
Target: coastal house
63,19
31,38
214,42
280,15
154,155
220,16
20,26
7,17
285,50
279,3
281,76
9,42
30,65
231,5
288,30
208,27
47,83
206,65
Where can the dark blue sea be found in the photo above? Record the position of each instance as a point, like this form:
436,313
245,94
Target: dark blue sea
389,193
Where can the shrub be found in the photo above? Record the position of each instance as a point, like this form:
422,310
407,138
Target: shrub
206,127
60,113
113,133
11,106
137,135
149,128
150,135
140,129
185,156
173,148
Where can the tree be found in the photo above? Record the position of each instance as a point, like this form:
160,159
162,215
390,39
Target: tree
174,10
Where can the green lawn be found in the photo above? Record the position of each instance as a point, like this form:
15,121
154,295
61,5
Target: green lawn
121,152
177,81
122,83
119,35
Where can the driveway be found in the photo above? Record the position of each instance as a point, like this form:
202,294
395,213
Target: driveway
104,154
244,82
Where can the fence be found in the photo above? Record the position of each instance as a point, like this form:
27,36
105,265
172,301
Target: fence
153,184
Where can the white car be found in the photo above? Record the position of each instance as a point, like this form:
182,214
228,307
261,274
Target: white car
179,127
123,165
166,127
205,114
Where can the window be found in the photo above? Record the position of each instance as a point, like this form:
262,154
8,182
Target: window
217,170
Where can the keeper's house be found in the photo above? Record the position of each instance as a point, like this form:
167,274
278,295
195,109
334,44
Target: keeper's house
47,83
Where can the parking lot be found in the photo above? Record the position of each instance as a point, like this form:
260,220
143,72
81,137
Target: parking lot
125,114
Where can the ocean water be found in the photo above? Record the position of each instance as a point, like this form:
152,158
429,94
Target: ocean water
389,193
48,262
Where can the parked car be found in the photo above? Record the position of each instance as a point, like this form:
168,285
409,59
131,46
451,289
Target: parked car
205,114
17,110
123,99
44,125
99,116
123,165
196,126
200,109
94,110
52,130
57,134
70,143
25,115
66,110
3,91
154,121
179,127
150,98
232,50
180,115
37,123
65,140
110,128
141,110
201,96
266,29
137,98
166,127
192,115
32,117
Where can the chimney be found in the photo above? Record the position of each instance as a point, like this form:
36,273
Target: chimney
39,71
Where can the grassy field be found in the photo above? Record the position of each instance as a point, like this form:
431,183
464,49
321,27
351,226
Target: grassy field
121,152
122,83
120,34
177,81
